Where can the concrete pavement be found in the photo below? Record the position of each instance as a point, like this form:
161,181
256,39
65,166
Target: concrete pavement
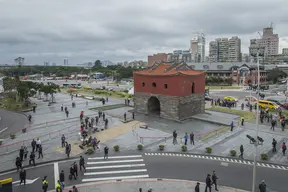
164,185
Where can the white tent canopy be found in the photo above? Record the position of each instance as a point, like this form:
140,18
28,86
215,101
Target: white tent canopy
131,91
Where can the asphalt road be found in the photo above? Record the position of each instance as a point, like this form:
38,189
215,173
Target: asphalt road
231,174
11,122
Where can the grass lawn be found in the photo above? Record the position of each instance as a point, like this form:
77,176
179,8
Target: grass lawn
248,116
104,93
223,87
109,107
11,104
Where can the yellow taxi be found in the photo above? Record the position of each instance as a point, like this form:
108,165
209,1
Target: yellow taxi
268,104
230,98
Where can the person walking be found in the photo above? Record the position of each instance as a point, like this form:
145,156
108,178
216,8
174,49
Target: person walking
174,137
33,145
241,151
63,138
75,169
21,153
208,183
185,139
82,163
38,143
262,186
284,148
22,176
18,163
133,115
45,184
32,158
40,152
74,189
192,138
106,149
29,118
214,180
58,186
274,144
232,125
72,172
242,121
62,179
67,149
197,187
125,117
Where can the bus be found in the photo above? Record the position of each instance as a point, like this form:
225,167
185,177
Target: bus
72,85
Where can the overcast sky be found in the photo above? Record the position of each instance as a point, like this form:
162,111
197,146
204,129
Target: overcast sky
119,30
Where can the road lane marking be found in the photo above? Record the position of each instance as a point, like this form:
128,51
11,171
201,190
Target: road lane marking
232,160
115,178
116,166
56,172
108,162
116,157
116,172
3,130
224,164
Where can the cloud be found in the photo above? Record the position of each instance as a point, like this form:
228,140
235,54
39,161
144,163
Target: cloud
126,30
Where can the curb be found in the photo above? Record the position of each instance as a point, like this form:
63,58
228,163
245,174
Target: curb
147,180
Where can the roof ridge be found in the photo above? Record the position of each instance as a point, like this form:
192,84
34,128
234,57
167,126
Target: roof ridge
173,66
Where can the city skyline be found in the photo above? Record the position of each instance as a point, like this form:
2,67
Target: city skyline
43,31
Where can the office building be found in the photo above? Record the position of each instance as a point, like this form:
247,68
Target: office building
223,48
234,49
213,51
197,48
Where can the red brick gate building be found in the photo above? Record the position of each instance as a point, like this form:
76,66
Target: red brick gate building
171,90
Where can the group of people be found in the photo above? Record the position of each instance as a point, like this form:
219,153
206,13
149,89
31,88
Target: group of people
23,153
223,103
186,138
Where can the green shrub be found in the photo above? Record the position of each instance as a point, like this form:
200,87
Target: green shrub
161,147
184,148
264,156
116,147
208,150
89,151
12,136
233,153
140,146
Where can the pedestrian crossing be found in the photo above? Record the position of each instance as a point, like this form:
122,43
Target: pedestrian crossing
115,168
222,159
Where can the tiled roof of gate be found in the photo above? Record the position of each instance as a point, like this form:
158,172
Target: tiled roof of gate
169,68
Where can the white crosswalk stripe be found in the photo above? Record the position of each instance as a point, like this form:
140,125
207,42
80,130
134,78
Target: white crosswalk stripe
230,160
116,168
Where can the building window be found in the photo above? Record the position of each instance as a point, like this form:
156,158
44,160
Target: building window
165,86
153,84
193,88
143,84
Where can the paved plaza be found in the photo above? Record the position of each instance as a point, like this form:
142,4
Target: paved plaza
168,185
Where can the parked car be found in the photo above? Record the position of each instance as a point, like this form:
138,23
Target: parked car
230,98
252,98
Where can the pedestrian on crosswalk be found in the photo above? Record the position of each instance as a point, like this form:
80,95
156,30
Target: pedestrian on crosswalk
82,163
75,169
72,173
106,149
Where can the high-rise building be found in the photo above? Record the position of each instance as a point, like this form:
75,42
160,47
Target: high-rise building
285,51
234,50
269,42
245,57
223,48
213,51
197,48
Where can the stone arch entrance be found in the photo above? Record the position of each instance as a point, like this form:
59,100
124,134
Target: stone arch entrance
153,106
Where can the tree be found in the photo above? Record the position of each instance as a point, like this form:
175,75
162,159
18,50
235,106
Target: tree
97,65
9,84
276,74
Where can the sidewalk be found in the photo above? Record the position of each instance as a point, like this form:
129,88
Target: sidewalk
165,185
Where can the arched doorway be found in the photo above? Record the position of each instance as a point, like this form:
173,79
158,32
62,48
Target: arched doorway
153,106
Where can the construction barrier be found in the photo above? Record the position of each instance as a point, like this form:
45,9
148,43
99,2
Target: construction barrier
6,185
